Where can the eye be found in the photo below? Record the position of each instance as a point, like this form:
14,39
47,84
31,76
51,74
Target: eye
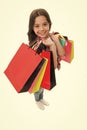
45,24
36,26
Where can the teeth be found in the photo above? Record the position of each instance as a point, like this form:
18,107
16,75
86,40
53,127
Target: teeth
42,33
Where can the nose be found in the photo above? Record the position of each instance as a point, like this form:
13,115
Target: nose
41,28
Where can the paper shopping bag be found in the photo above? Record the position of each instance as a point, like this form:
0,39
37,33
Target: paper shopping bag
49,79
68,46
69,51
36,85
62,40
72,51
23,68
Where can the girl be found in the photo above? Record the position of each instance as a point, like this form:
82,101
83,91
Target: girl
39,31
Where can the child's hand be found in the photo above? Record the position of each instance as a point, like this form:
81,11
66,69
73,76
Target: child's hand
48,42
60,49
54,37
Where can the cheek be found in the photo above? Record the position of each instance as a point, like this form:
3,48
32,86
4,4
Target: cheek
48,28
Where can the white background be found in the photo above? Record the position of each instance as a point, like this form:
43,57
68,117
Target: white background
68,100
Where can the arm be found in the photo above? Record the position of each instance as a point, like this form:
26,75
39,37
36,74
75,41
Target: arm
52,47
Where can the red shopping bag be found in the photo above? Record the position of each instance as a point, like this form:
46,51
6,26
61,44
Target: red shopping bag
37,82
49,79
23,68
69,50
68,46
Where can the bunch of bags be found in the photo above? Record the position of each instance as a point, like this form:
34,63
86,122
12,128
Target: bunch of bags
29,69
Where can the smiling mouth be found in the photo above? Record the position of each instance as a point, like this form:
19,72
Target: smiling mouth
42,33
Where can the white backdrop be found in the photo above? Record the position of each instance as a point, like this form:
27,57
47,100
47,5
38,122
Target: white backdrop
68,100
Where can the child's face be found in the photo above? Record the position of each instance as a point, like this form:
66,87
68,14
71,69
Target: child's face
41,27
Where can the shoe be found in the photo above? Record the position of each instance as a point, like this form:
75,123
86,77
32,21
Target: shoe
40,105
44,102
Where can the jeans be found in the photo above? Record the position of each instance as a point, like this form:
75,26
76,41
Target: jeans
39,94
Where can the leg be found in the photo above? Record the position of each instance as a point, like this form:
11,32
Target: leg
38,96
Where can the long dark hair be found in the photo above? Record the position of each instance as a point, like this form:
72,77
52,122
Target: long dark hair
35,13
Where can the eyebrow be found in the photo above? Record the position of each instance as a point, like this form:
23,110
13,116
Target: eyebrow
42,23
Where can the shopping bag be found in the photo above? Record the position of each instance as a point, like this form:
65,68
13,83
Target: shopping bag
49,79
69,51
62,40
23,68
36,85
72,51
